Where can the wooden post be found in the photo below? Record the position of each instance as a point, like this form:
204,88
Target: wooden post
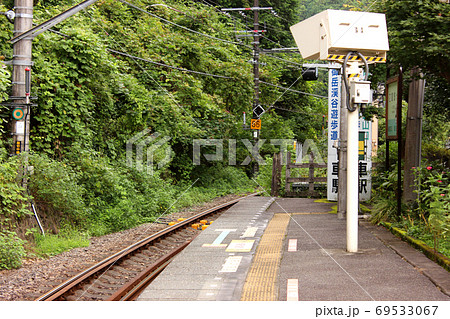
279,170
311,173
288,172
276,174
400,144
413,134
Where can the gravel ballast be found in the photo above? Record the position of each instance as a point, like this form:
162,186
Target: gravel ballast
37,276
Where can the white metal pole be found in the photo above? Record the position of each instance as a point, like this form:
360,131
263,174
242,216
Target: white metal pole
352,180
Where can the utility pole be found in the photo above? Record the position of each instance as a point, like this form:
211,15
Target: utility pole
24,33
258,110
21,79
342,182
256,104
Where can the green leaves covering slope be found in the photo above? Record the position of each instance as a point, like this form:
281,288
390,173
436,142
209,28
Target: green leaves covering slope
92,100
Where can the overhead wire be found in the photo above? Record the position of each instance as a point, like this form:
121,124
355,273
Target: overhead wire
281,59
244,25
261,36
297,111
153,62
220,39
145,71
180,26
295,91
203,34
169,66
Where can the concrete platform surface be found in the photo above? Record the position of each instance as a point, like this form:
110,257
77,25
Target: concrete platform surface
294,249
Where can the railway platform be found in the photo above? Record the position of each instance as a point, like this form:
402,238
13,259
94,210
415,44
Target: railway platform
294,249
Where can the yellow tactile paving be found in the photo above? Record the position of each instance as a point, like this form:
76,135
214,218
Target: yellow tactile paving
319,213
260,284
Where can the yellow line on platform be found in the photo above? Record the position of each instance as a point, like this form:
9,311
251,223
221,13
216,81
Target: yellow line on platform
261,282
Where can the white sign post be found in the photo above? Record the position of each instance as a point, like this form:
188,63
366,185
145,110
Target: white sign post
334,106
335,35
364,143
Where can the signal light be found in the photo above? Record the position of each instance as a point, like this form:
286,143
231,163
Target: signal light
310,74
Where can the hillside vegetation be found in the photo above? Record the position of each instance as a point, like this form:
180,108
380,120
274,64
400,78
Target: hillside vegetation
158,76
92,100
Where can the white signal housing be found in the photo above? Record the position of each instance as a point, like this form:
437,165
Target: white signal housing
337,32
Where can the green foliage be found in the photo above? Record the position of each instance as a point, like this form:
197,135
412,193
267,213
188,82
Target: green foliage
264,178
277,26
418,34
384,190
433,201
428,218
13,208
4,86
11,250
92,101
225,179
309,8
437,154
54,187
13,201
437,107
50,245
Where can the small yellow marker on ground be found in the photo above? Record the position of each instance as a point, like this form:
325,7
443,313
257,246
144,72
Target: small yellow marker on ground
203,221
204,227
172,223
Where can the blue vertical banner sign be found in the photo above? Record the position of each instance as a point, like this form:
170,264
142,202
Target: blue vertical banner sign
334,105
365,159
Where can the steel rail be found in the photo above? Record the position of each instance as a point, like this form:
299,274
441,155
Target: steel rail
133,288
105,263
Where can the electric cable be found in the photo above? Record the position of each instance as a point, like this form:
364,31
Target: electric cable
168,66
245,26
180,26
171,96
295,91
280,59
297,111
350,107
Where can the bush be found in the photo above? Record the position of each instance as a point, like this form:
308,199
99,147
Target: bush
225,180
384,188
435,153
117,197
433,200
11,250
50,244
55,187
13,201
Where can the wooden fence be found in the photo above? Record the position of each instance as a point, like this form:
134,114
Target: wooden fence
292,189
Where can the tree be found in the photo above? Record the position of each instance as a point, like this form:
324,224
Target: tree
277,24
309,8
418,34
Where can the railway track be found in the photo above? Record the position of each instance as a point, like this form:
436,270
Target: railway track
126,273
